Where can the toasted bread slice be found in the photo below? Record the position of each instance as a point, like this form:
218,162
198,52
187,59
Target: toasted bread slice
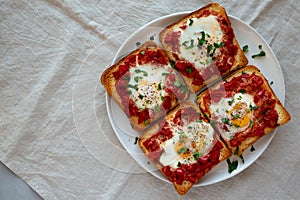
243,107
203,46
183,146
144,85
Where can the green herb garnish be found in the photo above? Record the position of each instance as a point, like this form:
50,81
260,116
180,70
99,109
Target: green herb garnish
260,54
136,140
188,70
182,150
197,155
252,148
141,71
191,22
152,37
245,48
178,164
236,152
137,43
225,120
243,91
132,86
251,124
232,165
242,158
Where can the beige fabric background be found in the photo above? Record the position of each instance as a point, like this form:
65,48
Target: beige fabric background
51,55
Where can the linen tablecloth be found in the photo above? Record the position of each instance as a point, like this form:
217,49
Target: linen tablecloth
54,129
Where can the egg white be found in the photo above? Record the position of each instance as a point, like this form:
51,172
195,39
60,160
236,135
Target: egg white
235,113
211,27
196,137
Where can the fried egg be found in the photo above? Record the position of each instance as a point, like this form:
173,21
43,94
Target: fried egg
192,48
146,85
235,113
187,144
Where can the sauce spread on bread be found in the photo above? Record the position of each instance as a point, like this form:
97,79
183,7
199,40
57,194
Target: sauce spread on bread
246,106
185,146
203,46
147,84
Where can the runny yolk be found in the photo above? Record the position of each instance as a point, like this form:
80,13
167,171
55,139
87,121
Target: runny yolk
240,115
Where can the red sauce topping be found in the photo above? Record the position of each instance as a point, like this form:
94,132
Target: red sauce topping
190,172
122,77
193,172
265,114
221,64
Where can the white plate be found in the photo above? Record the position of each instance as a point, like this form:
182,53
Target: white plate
268,65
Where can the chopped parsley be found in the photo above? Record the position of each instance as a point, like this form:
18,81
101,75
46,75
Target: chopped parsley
230,102
159,86
202,40
165,73
271,83
260,54
136,79
260,47
251,124
132,86
143,52
245,48
236,116
242,158
146,122
136,140
243,91
188,70
141,71
209,48
197,155
137,44
182,150
172,63
141,96
252,148
185,44
253,107
232,165
225,120
236,152
191,22
152,37
216,45
178,164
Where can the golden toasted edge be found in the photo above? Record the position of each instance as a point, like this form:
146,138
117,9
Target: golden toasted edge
240,59
284,116
183,188
224,153
108,81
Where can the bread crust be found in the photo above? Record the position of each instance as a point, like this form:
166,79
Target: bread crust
240,58
186,185
283,114
109,82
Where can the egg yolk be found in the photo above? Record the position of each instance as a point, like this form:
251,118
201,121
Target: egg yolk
241,116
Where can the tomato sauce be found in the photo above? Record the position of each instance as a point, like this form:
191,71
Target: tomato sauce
265,114
122,76
222,63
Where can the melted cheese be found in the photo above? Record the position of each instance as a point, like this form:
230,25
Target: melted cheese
190,48
195,138
235,113
146,85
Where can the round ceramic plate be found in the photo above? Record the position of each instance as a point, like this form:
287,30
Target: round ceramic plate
245,35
